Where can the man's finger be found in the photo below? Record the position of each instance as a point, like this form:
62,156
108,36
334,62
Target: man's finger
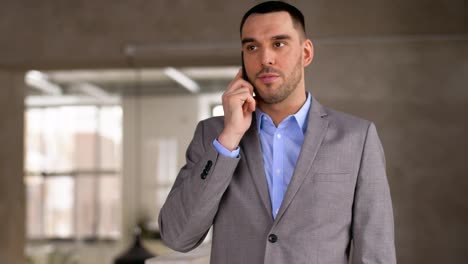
238,86
248,103
239,74
251,103
237,77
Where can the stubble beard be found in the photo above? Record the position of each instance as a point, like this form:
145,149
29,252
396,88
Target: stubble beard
285,89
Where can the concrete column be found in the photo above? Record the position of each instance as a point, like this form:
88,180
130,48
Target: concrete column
12,189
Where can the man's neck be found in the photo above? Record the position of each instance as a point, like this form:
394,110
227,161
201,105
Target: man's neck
279,111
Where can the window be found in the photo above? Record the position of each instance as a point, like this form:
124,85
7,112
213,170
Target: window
73,163
217,110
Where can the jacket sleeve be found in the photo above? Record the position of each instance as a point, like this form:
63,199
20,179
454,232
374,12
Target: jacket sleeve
373,227
190,208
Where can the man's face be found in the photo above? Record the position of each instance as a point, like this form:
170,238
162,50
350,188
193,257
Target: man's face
275,54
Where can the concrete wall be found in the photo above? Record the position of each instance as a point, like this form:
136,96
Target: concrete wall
41,34
416,93
12,199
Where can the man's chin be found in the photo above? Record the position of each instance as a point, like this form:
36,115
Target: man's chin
267,87
269,99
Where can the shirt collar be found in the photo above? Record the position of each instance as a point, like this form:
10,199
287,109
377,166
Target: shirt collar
300,116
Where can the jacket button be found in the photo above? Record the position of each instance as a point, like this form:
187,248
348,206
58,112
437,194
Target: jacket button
208,165
272,238
204,174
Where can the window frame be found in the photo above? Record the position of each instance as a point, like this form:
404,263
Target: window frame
96,173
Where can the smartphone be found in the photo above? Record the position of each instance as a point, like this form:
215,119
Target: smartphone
244,73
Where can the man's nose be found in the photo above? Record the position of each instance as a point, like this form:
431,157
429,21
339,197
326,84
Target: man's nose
267,57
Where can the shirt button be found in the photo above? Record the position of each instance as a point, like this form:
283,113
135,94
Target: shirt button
278,136
278,171
272,238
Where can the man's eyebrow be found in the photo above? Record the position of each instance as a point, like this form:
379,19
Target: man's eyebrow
280,37
247,40
277,37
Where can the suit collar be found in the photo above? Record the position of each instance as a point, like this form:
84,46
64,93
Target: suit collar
317,109
317,125
252,153
301,116
316,131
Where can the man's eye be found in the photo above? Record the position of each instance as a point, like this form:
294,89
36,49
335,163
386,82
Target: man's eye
251,47
279,44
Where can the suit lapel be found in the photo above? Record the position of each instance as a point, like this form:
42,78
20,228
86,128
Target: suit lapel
251,150
316,130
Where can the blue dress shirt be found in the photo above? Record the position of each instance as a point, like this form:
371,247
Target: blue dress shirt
280,150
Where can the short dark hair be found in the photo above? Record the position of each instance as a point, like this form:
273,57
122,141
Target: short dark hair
276,6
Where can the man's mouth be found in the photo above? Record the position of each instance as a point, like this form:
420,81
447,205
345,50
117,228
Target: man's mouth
267,78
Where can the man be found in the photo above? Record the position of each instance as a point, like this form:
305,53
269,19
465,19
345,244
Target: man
281,178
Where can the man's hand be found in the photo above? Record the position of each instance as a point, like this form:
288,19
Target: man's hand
238,105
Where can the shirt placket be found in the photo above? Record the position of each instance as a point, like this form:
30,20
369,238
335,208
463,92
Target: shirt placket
278,152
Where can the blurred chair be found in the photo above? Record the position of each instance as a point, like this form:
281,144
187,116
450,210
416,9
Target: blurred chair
136,254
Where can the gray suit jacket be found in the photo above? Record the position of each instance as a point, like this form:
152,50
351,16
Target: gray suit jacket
338,194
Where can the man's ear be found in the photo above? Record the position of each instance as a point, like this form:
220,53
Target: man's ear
308,52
